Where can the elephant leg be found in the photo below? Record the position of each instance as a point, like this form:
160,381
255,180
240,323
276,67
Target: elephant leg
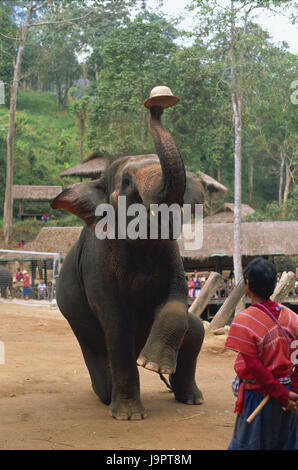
86,327
3,292
166,336
90,336
183,380
119,334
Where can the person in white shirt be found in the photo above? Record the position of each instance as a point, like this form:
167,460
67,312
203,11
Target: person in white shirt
41,288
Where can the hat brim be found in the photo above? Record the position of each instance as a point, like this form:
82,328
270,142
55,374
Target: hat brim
164,101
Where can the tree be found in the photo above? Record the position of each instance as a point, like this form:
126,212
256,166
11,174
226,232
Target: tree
8,31
8,203
235,41
201,122
277,118
79,109
28,10
134,58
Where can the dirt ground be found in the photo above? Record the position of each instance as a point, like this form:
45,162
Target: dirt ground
47,402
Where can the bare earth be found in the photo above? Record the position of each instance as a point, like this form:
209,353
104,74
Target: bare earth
47,402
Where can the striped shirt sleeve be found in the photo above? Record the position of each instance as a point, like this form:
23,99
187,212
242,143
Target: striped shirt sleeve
243,335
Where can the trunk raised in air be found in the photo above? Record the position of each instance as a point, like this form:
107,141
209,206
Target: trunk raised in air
171,188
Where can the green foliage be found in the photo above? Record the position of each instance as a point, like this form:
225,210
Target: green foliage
45,143
135,57
127,56
275,211
285,263
8,32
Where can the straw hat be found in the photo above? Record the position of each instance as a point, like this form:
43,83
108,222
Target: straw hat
25,272
161,96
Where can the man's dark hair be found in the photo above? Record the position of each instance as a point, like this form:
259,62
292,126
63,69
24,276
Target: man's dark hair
261,275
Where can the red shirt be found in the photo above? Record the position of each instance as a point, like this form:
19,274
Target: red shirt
26,280
264,356
19,275
265,379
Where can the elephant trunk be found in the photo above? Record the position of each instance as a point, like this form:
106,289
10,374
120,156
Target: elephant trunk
171,188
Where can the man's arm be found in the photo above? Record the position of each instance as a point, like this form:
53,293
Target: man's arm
266,380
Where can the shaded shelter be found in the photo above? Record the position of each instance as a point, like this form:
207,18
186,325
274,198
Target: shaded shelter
92,167
33,193
258,239
226,213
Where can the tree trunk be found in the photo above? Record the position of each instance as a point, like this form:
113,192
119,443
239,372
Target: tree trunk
287,186
81,138
96,72
281,177
84,78
237,99
237,255
201,302
228,307
250,178
8,201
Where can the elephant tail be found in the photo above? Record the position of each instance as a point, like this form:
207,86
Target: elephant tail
166,382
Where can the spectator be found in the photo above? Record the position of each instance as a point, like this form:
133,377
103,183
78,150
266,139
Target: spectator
50,290
26,286
197,285
19,275
45,218
190,285
41,290
21,243
223,290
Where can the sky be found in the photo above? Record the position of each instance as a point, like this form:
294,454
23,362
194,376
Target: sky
279,27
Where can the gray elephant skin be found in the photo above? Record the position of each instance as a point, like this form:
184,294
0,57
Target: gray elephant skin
5,282
126,300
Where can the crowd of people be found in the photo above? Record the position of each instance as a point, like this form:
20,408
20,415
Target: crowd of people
195,283
41,290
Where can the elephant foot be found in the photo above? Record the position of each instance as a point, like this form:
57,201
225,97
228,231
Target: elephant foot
159,359
190,395
128,410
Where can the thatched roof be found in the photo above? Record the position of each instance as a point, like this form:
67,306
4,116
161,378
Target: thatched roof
50,240
258,239
211,184
35,192
226,213
55,240
91,167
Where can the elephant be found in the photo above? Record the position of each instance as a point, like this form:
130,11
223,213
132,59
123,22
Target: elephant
5,282
126,300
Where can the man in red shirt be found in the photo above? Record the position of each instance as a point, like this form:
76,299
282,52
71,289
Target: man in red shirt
265,336
26,286
19,275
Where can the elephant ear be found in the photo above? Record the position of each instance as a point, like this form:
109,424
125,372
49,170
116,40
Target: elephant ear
81,199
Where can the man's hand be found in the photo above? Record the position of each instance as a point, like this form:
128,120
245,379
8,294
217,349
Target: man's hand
292,402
